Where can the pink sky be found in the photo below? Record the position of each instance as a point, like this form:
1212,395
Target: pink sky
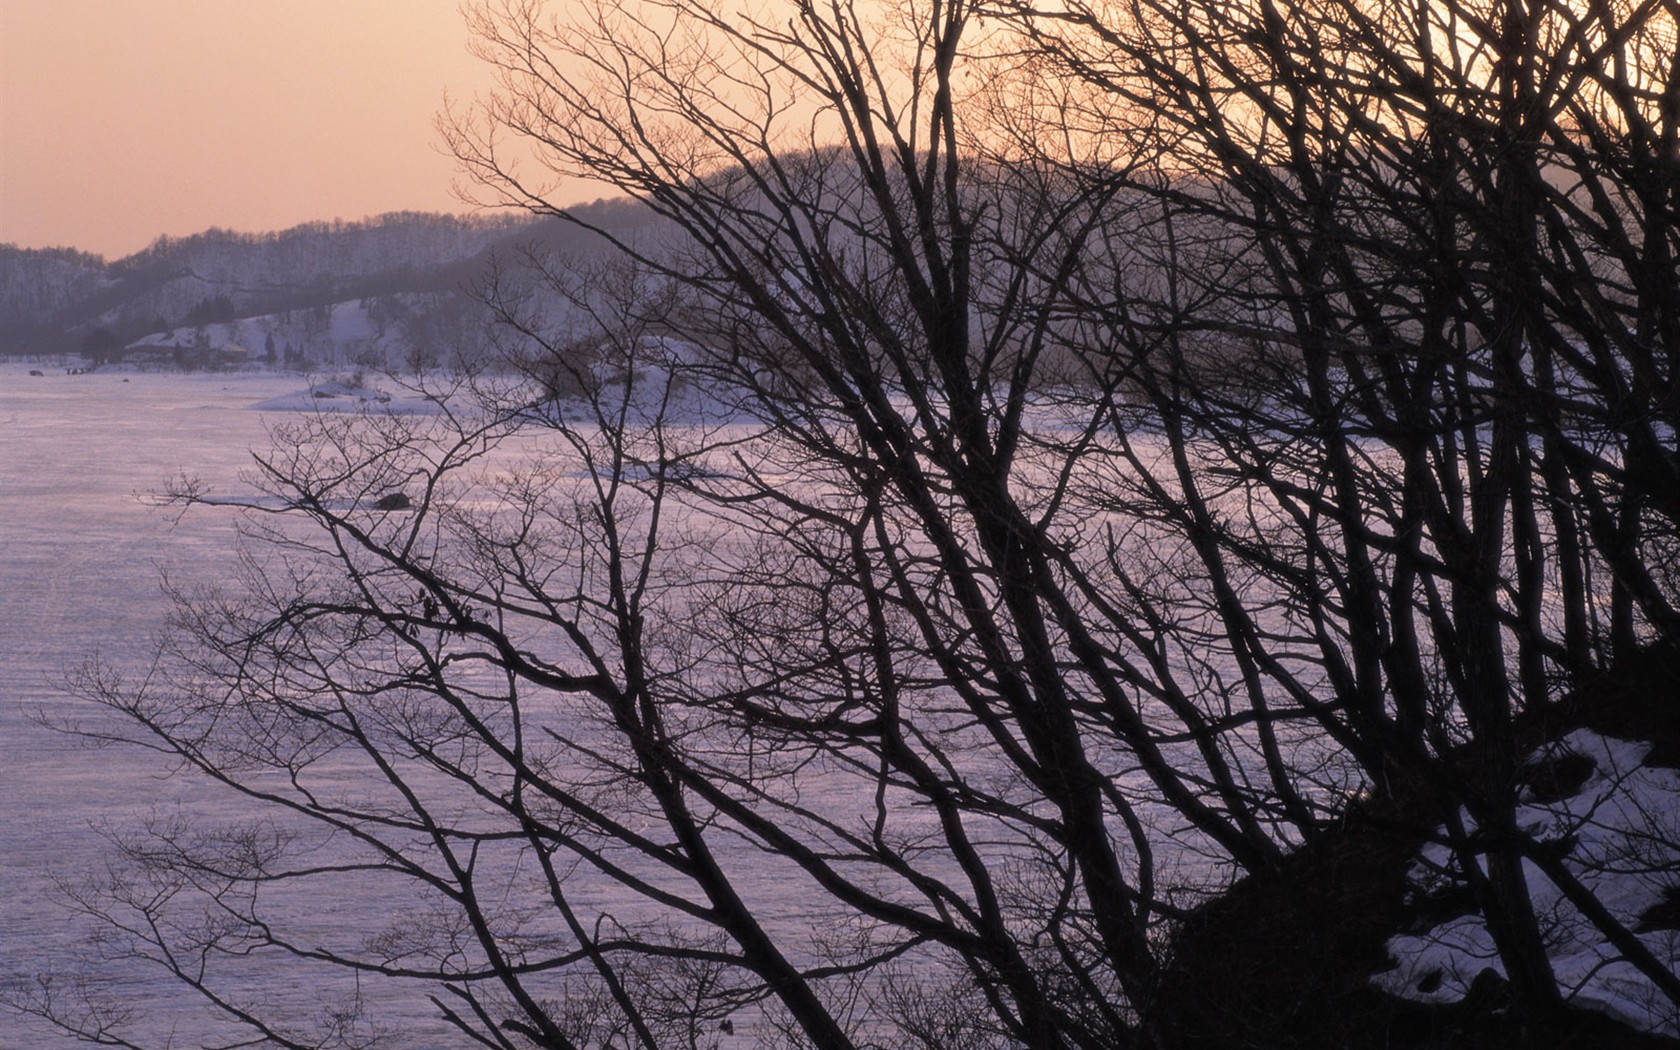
121,120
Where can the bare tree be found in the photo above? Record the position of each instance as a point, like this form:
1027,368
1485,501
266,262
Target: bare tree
1447,296
986,513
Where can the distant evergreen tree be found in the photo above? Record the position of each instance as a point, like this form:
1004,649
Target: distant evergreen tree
101,345
212,310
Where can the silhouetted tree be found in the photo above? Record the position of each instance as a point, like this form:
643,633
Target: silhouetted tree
1029,473
101,345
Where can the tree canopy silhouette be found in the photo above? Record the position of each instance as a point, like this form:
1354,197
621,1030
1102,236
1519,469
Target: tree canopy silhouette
1040,465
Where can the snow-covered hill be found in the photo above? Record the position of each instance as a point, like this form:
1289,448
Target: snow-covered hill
1614,818
60,301
404,330
402,283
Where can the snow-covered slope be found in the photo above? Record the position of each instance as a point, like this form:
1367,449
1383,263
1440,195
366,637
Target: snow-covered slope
1619,833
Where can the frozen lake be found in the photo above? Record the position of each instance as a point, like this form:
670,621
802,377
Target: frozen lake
81,554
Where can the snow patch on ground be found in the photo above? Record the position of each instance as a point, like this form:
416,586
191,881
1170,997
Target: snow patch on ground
344,395
1621,828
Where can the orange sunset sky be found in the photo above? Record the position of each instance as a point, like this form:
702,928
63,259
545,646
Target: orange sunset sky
121,120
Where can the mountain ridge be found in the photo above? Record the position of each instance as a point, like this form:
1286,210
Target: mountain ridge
56,301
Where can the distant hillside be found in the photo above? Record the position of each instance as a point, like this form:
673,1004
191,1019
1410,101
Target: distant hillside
57,301
407,275
40,286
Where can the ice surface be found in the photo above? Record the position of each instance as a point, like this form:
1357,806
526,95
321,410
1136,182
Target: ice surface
81,552
80,557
